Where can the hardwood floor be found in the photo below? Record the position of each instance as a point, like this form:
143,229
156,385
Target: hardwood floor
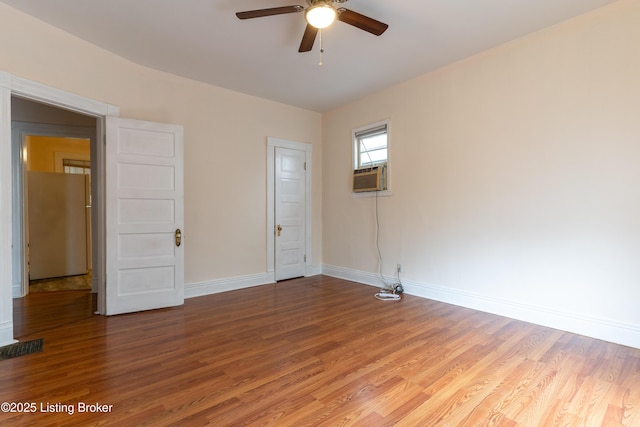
40,311
321,352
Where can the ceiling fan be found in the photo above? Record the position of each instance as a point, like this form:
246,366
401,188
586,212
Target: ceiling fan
320,14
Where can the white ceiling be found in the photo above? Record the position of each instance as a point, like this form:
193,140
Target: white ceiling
203,40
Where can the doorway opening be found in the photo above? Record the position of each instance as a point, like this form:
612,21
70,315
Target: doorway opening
54,195
289,236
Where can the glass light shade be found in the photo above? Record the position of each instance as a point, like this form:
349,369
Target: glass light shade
321,16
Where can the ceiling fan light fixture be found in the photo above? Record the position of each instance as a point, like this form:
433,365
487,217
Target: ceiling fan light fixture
321,15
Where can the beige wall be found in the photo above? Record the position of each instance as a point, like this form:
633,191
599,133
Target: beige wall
225,139
515,176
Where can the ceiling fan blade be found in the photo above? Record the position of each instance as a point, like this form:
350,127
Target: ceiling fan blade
363,22
269,12
308,38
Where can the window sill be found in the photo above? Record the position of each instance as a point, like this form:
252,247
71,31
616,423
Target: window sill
365,194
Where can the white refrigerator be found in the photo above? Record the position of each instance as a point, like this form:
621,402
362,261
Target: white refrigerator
57,225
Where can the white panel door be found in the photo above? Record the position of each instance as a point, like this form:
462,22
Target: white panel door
144,215
290,213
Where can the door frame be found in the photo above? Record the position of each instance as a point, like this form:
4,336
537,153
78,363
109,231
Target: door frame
11,85
272,144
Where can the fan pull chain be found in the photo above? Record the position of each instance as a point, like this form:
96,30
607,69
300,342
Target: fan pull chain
321,49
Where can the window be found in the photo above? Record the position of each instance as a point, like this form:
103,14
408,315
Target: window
371,159
82,167
371,145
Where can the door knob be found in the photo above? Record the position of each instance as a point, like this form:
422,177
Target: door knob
279,228
178,237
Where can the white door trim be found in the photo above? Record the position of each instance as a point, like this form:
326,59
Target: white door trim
272,143
56,97
6,262
13,85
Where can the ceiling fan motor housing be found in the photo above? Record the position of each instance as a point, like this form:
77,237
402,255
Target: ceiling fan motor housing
321,14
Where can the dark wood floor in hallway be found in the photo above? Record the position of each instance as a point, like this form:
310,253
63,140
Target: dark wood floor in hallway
320,351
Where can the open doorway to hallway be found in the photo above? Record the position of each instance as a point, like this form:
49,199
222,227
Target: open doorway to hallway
52,205
57,212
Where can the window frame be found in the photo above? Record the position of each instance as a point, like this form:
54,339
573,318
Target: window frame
369,130
85,165
355,145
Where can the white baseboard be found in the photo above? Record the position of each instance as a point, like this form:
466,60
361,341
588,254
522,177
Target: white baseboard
199,289
6,334
358,276
16,289
607,330
313,270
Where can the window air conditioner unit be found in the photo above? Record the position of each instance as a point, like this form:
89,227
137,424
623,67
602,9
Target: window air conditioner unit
370,179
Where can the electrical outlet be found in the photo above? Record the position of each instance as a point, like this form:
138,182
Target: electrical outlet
400,268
